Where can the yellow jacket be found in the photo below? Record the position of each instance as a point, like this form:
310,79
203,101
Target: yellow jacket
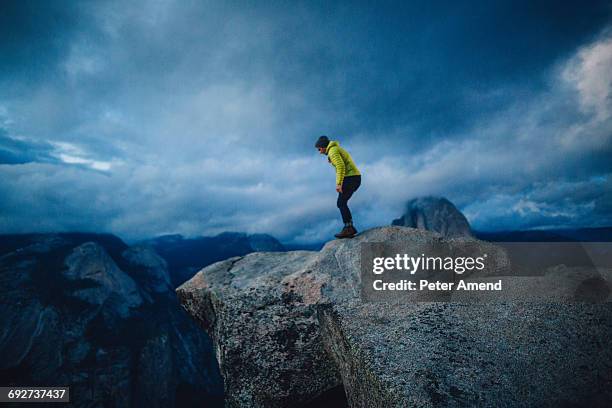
342,161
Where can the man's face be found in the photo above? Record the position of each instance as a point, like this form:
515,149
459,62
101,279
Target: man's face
321,150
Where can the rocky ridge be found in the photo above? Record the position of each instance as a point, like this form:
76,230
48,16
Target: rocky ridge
186,256
289,326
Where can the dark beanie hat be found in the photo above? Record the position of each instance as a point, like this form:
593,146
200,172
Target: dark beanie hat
323,141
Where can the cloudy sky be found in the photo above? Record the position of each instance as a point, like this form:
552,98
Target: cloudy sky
193,117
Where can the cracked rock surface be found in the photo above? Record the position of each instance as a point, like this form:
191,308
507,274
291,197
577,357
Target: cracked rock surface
459,355
289,326
260,310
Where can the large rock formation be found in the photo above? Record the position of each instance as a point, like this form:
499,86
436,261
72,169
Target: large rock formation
288,326
449,354
87,311
260,309
435,214
90,262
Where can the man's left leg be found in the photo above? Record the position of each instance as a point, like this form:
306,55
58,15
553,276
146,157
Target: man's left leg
349,186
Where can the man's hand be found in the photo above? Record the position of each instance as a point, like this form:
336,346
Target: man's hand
339,188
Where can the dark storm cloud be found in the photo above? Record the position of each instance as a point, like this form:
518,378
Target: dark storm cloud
16,151
142,118
33,35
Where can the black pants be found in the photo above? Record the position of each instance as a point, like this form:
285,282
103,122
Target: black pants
349,186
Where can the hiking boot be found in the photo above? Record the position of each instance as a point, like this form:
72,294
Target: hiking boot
347,232
353,230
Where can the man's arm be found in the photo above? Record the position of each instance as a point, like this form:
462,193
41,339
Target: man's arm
336,159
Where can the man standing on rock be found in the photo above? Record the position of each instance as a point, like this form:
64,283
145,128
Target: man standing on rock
348,180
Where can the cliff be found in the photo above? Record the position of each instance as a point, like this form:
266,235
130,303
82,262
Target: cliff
288,326
86,310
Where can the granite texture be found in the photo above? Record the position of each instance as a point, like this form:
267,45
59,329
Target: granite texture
289,326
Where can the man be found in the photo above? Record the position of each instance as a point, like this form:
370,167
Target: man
348,180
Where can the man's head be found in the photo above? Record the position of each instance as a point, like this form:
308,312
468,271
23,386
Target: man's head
321,144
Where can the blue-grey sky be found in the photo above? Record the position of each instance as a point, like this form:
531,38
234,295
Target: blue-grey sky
149,117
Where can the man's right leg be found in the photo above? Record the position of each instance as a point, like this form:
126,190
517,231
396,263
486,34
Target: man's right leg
343,207
352,185
346,214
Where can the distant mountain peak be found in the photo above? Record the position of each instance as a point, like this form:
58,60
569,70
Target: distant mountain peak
436,214
186,256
